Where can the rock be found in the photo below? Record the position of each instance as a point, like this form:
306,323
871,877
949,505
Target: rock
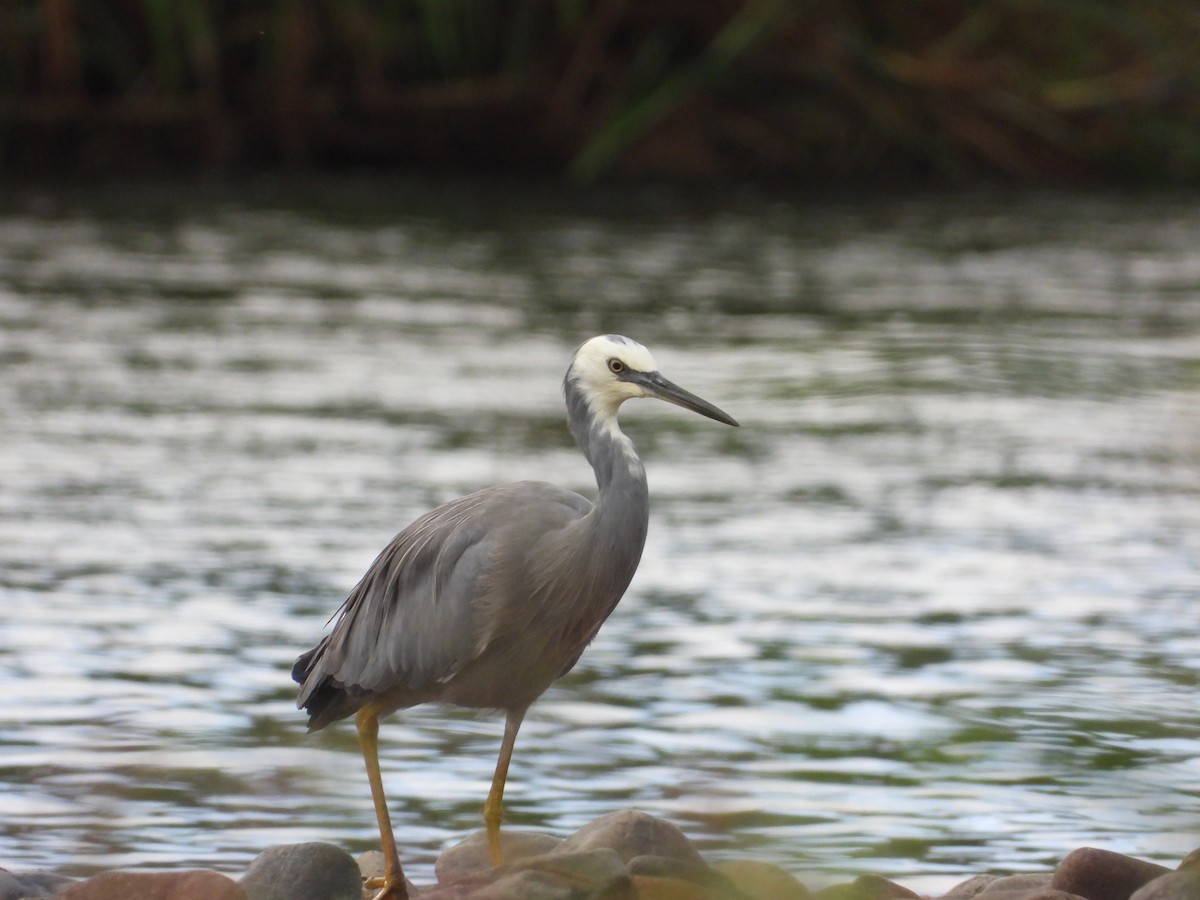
1102,874
651,887
473,854
1191,861
1029,886
632,833
762,880
598,874
311,871
527,885
703,875
33,885
1031,881
969,888
867,887
1042,893
1182,884
199,884
370,864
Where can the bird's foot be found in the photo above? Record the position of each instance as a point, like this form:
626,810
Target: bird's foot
391,887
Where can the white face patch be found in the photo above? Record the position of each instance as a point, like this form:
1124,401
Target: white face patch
603,390
590,370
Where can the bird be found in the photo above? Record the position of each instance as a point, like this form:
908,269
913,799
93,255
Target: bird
487,600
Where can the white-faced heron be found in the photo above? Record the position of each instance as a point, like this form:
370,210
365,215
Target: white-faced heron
485,601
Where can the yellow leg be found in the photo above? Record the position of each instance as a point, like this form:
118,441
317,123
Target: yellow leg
392,884
493,807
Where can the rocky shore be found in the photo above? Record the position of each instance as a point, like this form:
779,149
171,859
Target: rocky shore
627,855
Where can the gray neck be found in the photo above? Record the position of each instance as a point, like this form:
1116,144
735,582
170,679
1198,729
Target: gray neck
619,518
611,453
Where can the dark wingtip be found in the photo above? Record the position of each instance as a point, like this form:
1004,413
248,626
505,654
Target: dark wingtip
303,666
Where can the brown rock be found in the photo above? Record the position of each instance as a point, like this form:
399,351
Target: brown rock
1182,884
964,890
652,887
195,885
763,881
1191,861
473,855
526,885
632,833
598,874
1031,881
370,864
1043,893
867,887
667,867
1102,874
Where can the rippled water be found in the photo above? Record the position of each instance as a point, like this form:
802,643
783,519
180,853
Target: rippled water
932,610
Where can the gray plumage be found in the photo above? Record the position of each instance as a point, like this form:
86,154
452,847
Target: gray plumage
487,600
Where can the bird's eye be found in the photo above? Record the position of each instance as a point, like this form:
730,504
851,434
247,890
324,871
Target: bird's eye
616,366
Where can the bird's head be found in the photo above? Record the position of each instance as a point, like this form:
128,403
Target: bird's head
610,369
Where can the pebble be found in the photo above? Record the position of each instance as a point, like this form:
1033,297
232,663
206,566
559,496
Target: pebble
627,855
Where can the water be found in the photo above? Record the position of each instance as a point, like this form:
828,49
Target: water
931,611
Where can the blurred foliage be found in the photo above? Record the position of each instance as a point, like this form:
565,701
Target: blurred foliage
939,89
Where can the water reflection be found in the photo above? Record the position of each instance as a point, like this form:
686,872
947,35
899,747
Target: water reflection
929,611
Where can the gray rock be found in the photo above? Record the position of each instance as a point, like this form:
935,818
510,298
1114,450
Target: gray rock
1182,884
631,833
1102,874
762,880
311,871
473,855
34,885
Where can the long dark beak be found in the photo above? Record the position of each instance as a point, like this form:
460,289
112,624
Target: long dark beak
673,393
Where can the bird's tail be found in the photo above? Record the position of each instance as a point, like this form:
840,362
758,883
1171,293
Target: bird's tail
321,698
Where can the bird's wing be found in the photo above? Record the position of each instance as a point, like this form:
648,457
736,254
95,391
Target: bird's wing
417,615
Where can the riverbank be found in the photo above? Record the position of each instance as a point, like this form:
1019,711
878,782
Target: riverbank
627,855
938,91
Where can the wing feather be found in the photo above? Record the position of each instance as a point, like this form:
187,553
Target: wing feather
420,612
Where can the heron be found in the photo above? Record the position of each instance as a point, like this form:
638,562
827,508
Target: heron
488,599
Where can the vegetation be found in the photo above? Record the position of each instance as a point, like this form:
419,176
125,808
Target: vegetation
941,89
